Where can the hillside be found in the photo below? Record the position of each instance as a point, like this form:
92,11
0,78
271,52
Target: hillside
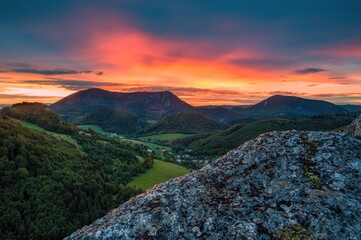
352,108
114,121
150,105
49,188
281,185
290,106
189,122
218,113
220,142
39,114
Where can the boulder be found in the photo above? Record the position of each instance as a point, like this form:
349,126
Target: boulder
277,186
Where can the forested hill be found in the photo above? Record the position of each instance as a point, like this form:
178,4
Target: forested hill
187,122
220,142
112,120
39,114
48,188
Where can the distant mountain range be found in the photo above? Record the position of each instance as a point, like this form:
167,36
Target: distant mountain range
157,105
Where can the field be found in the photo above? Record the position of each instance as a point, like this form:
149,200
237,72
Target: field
165,136
159,173
57,135
152,121
153,146
95,128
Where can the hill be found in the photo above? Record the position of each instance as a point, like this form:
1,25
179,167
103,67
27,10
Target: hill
290,106
49,188
114,121
150,105
281,185
39,114
356,109
218,113
188,122
220,142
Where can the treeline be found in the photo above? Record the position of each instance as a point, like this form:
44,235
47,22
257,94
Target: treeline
218,143
39,114
48,188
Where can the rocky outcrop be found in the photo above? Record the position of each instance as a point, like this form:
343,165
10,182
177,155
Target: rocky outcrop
279,185
355,128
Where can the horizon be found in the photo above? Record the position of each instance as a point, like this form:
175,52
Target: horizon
209,105
212,53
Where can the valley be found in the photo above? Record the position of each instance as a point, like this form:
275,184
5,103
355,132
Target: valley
127,151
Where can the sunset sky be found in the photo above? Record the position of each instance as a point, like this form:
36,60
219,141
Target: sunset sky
207,52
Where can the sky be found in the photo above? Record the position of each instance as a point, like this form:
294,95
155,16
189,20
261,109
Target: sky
207,52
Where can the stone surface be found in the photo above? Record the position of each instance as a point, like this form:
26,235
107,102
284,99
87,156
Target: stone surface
278,184
355,127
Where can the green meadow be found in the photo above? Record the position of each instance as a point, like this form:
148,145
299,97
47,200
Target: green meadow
159,173
165,136
56,135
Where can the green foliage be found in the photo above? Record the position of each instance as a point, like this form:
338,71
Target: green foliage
160,172
40,115
95,128
188,122
292,232
165,136
48,188
113,121
220,142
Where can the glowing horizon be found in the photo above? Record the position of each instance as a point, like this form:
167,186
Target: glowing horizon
218,57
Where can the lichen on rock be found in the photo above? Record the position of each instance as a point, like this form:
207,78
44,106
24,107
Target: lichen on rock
355,128
261,190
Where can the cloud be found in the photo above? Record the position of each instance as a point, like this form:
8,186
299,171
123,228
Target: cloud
308,71
74,85
54,71
337,77
99,73
312,85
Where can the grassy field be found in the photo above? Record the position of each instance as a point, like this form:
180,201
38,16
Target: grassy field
95,128
153,146
152,121
57,135
165,136
159,173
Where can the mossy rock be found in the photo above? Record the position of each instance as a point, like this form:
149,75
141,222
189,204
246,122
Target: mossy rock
292,232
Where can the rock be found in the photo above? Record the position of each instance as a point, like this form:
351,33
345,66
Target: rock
280,185
355,128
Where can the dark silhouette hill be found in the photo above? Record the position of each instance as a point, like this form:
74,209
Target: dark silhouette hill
151,105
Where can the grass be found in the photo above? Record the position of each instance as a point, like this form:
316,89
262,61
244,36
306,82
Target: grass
152,121
159,173
152,146
56,135
97,129
165,136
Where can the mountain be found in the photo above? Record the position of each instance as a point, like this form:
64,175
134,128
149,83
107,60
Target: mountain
281,185
220,142
114,121
39,114
352,108
291,106
150,105
218,113
50,188
187,122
